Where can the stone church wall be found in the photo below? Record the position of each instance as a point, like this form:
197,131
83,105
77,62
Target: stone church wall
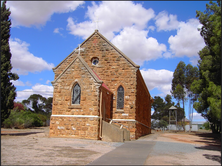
74,127
114,70
143,108
63,65
81,120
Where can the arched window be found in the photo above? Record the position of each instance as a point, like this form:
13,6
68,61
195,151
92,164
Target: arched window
120,97
76,94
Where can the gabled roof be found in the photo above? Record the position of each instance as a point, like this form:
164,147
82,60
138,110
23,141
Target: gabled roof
97,32
86,66
120,52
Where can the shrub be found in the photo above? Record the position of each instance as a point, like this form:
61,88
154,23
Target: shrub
18,106
23,119
43,118
206,125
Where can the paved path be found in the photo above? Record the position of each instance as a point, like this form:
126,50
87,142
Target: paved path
130,153
148,151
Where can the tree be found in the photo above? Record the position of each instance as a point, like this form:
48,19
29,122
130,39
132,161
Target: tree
191,74
161,109
39,104
35,103
208,86
178,83
8,93
158,106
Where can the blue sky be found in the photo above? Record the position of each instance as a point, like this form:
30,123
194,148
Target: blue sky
156,35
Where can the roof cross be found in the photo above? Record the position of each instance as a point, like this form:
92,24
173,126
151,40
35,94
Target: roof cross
80,49
97,22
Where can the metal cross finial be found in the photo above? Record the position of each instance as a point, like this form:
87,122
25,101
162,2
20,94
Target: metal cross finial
97,22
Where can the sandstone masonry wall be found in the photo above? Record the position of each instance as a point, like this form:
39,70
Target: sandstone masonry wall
74,127
89,104
143,108
114,70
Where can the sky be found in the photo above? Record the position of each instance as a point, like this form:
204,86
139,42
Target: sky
156,35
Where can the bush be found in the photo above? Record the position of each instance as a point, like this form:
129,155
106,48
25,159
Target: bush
23,119
206,125
158,124
43,118
163,123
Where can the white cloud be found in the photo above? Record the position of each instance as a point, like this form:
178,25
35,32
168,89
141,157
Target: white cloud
23,61
17,83
56,30
27,13
28,83
194,60
197,117
167,54
44,90
188,41
137,46
165,22
84,29
112,16
160,79
48,81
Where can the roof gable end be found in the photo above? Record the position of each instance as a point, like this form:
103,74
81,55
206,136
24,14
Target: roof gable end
85,65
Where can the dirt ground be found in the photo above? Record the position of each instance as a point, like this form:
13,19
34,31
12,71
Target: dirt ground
34,147
207,149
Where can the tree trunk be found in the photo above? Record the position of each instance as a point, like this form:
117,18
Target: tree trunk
184,117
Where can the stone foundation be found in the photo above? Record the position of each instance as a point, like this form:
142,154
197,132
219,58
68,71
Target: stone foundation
75,127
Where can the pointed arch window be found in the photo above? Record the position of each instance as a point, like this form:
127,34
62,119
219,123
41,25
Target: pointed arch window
120,97
76,94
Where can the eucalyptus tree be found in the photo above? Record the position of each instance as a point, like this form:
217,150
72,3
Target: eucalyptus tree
179,83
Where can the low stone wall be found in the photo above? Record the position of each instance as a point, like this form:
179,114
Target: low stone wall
113,133
75,127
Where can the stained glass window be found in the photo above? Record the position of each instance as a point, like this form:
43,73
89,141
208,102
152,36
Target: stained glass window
120,97
76,94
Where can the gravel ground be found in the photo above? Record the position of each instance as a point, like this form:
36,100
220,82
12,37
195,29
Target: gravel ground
184,149
33,147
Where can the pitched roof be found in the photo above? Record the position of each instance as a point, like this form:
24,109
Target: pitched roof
97,32
86,66
120,52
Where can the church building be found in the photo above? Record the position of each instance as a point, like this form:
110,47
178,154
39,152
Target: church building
98,83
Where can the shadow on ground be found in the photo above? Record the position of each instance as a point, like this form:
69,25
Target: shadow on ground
212,141
20,134
213,157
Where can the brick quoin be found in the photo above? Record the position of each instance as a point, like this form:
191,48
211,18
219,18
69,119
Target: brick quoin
99,84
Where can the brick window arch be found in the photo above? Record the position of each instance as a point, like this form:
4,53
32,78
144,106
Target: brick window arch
120,97
76,94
